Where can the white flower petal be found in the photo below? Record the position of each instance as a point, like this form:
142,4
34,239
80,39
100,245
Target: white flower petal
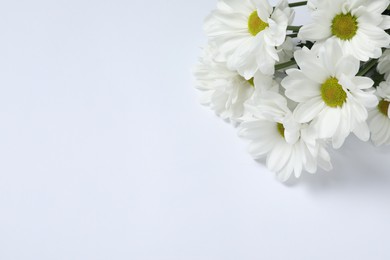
328,122
362,131
306,111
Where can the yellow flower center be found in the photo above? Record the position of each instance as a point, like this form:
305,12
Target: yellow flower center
281,129
255,24
344,26
332,93
383,107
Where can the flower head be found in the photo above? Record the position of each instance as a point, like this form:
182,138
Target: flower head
290,147
223,90
357,25
379,117
247,33
330,95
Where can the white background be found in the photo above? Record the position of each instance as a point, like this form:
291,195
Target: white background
105,152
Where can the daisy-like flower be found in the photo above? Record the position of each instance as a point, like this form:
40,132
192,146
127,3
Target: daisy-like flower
329,93
290,147
384,63
247,33
357,25
379,117
223,90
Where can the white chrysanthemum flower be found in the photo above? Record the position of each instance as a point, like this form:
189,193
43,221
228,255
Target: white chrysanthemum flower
379,117
290,147
329,93
223,90
358,26
247,32
384,63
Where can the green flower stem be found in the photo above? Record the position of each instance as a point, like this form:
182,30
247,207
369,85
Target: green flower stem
298,4
367,67
293,28
285,65
293,35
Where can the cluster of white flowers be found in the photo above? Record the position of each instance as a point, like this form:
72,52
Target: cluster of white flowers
295,90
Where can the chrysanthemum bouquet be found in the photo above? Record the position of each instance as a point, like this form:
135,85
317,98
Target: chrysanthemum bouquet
295,90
